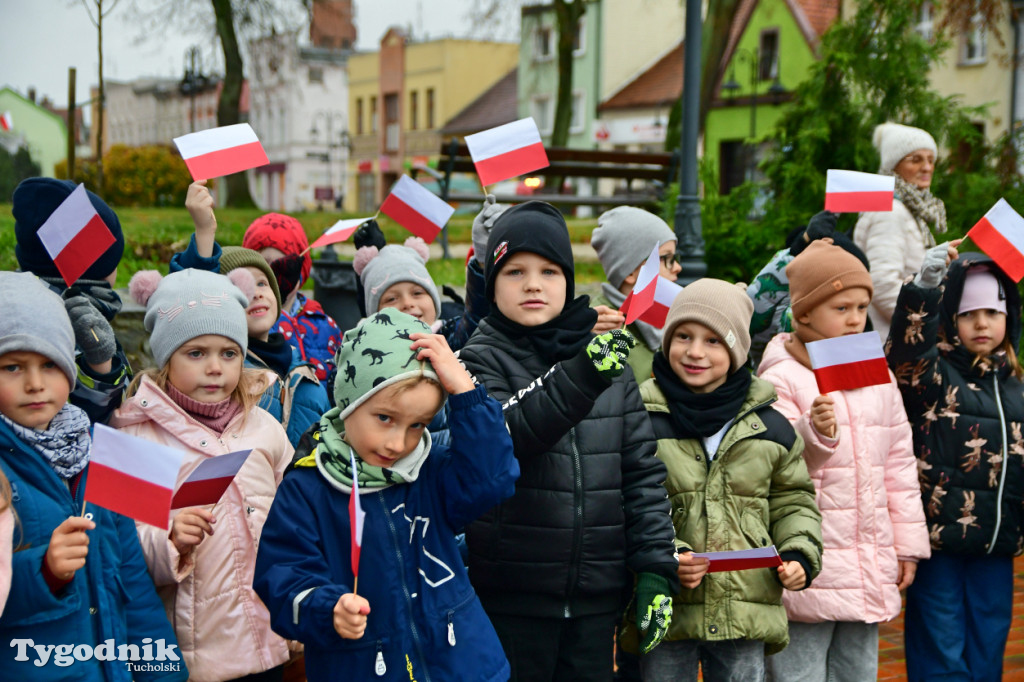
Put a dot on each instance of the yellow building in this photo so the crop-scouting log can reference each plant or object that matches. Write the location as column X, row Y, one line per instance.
column 402, row 95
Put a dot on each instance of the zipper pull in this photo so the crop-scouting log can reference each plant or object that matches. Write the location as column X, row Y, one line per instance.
column 451, row 630
column 379, row 666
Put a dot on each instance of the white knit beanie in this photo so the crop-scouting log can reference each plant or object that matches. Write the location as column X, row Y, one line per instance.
column 623, row 240
column 894, row 141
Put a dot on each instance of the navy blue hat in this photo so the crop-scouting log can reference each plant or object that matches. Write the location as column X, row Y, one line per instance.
column 537, row 227
column 33, row 202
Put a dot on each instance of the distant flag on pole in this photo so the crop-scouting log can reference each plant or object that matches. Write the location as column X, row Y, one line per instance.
column 645, row 288
column 417, row 209
column 221, row 151
column 75, row 235
column 853, row 191
column 1000, row 234
column 507, row 151
column 208, row 481
column 356, row 515
column 338, row 232
column 847, row 362
column 132, row 476
column 664, row 293
column 6, row 122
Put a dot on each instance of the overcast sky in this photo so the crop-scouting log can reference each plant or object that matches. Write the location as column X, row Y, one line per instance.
column 42, row 38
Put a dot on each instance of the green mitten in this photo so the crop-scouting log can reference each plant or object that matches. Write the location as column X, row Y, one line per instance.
column 609, row 352
column 653, row 609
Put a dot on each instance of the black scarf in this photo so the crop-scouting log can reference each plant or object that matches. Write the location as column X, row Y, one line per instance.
column 555, row 340
column 275, row 352
column 98, row 291
column 700, row 414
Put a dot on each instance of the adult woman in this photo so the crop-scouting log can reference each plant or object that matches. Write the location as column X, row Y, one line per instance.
column 895, row 241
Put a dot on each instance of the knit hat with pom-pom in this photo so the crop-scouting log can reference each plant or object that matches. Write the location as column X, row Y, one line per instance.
column 191, row 303
column 894, row 141
column 380, row 269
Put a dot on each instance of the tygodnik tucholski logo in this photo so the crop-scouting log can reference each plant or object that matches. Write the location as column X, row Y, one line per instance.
column 151, row 656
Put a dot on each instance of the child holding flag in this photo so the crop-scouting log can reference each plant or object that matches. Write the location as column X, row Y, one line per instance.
column 78, row 579
column 857, row 445
column 953, row 348
column 413, row 615
column 202, row 401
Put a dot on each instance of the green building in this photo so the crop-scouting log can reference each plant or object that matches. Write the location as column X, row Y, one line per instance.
column 42, row 131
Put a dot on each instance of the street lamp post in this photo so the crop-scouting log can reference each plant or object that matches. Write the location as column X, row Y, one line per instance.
column 193, row 82
column 332, row 141
column 687, row 218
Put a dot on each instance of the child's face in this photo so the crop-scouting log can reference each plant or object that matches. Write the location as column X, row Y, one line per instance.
column 669, row 267
column 410, row 298
column 32, row 388
column 698, row 357
column 389, row 426
column 262, row 312
column 206, row 368
column 843, row 313
column 981, row 331
column 530, row 289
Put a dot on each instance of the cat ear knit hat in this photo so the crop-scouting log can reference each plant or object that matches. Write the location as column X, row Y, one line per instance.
column 33, row 319
column 379, row 269
column 722, row 307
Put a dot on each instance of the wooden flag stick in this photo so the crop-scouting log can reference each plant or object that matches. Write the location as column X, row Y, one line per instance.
column 355, row 586
column 94, row 334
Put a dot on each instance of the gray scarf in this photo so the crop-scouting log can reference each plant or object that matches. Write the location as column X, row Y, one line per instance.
column 64, row 444
column 650, row 334
column 923, row 205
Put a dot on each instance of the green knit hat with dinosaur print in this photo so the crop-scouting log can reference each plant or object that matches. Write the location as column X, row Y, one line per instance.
column 374, row 355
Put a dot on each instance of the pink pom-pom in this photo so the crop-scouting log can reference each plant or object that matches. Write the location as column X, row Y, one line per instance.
column 244, row 280
column 142, row 285
column 419, row 246
column 364, row 254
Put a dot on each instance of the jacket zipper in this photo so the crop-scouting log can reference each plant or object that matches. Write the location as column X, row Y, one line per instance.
column 577, row 495
column 1002, row 473
column 405, row 588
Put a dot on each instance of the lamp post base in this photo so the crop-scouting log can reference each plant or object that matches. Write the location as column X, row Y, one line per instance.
column 687, row 226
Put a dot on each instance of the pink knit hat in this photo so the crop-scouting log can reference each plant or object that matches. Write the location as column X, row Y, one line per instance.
column 982, row 291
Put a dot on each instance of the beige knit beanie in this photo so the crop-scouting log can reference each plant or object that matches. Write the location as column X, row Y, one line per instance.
column 894, row 141
column 821, row 271
column 722, row 307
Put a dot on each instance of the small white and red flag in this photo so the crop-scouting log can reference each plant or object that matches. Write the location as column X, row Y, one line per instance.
column 417, row 209
column 338, row 232
column 743, row 559
column 507, row 151
column 6, row 121
column 645, row 288
column 1000, row 234
column 853, row 191
column 664, row 293
column 221, row 151
column 75, row 235
column 208, row 481
column 846, row 362
column 356, row 515
column 132, row 476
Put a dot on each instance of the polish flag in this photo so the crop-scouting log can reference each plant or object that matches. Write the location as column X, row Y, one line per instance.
column 356, row 515
column 645, row 288
column 507, row 151
column 132, row 476
column 847, row 362
column 1000, row 234
column 6, row 122
column 852, row 191
column 208, row 481
column 664, row 294
column 221, row 151
column 741, row 560
column 417, row 209
column 75, row 236
column 339, row 232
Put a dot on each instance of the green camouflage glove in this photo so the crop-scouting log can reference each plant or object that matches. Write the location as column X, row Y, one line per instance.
column 653, row 609
column 609, row 352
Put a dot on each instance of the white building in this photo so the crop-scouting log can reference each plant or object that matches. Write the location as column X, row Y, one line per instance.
column 155, row 111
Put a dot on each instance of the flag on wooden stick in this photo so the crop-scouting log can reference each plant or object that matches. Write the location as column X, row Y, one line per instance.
column 847, row 362
column 221, row 151
column 853, row 191
column 75, row 235
column 1000, row 234
column 507, row 151
column 417, row 209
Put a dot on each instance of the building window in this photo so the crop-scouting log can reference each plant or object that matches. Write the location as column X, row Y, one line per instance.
column 543, row 48
column 926, row 21
column 316, row 74
column 540, row 109
column 974, row 45
column 768, row 55
column 578, row 102
column 373, row 114
column 359, row 115
column 430, row 108
column 414, row 109
column 392, row 126
column 579, row 38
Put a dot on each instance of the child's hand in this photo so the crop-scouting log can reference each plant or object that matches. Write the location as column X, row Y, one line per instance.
column 350, row 616
column 188, row 528
column 691, row 570
column 69, row 546
column 607, row 319
column 435, row 349
column 199, row 203
column 792, row 575
column 823, row 416
column 908, row 569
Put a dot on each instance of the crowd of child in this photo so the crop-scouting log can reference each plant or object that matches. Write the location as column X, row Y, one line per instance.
column 525, row 487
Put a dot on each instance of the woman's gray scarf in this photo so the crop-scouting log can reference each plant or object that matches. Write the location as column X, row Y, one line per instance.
column 922, row 204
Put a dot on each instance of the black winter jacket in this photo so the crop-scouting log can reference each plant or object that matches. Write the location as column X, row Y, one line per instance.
column 589, row 501
column 967, row 418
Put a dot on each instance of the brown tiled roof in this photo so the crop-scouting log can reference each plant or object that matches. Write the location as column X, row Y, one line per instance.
column 496, row 106
column 820, row 13
column 659, row 85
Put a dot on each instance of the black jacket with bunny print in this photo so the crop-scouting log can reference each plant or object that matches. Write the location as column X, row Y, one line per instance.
column 967, row 414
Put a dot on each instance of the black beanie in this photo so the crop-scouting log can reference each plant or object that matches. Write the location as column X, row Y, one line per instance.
column 34, row 200
column 537, row 227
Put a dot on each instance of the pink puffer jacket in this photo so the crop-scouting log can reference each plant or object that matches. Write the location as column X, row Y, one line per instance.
column 867, row 490
column 223, row 628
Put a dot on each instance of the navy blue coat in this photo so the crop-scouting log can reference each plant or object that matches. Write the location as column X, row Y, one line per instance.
column 425, row 620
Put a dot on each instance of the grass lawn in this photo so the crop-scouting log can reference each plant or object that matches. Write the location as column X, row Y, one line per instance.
column 153, row 235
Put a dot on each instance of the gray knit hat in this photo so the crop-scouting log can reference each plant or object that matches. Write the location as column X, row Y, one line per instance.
column 33, row 318
column 234, row 257
column 191, row 303
column 374, row 355
column 624, row 238
column 380, row 269
column 722, row 307
column 894, row 141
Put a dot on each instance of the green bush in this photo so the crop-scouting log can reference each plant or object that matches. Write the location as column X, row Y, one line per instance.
column 152, row 175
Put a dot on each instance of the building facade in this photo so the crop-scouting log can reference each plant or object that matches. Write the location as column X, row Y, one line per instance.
column 35, row 127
